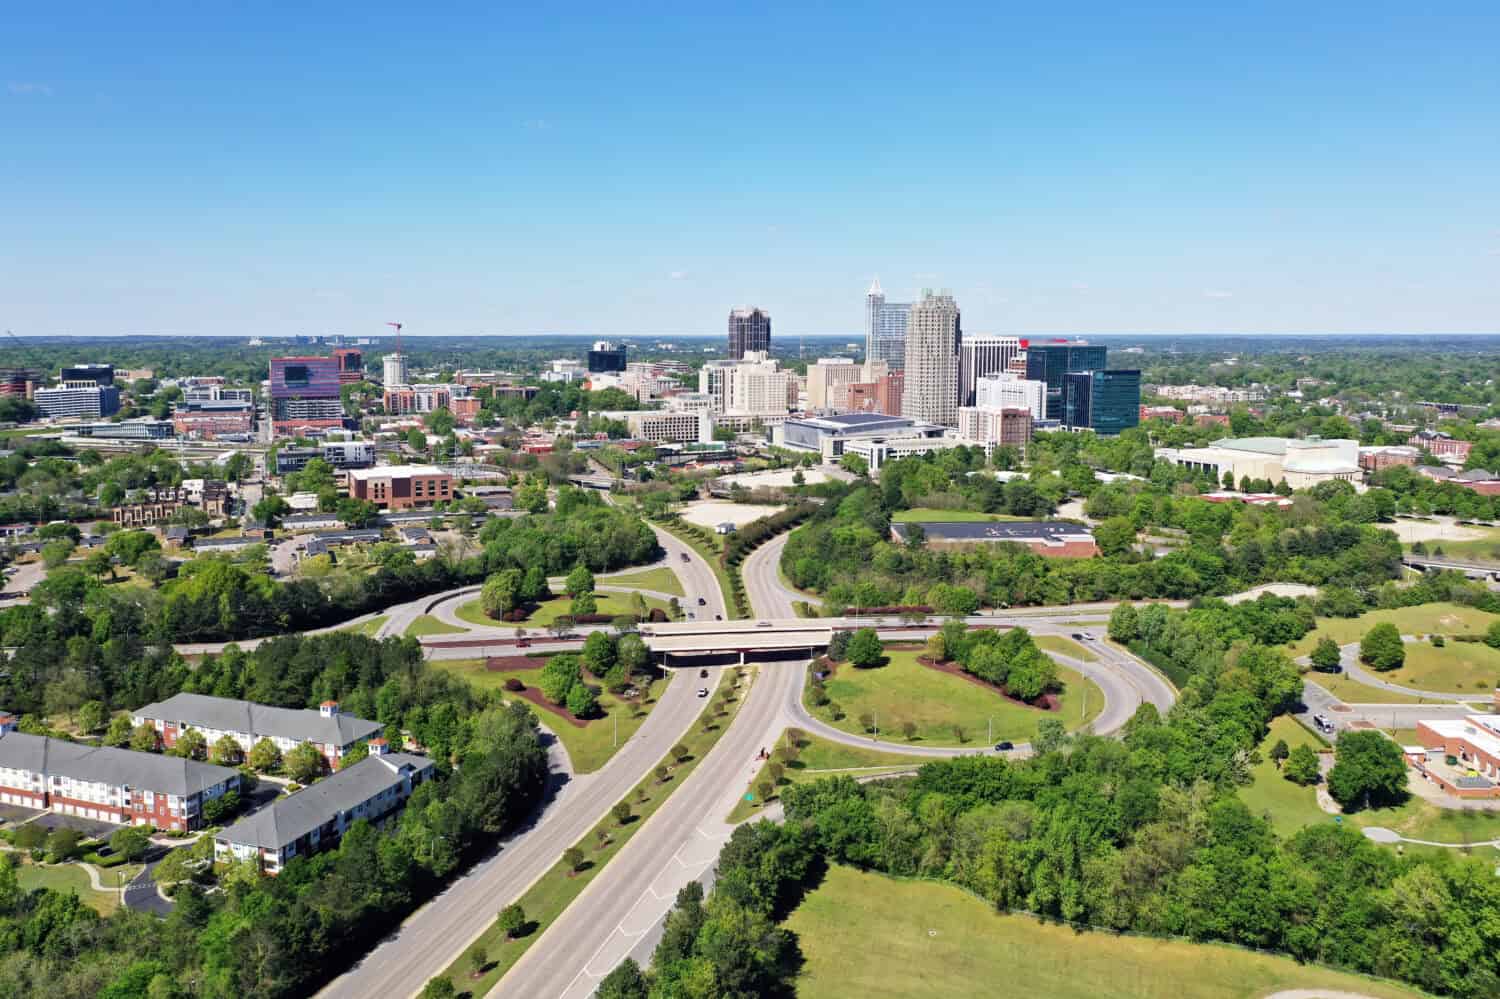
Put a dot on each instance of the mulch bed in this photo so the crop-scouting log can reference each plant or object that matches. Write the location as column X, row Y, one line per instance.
column 535, row 697
column 498, row 664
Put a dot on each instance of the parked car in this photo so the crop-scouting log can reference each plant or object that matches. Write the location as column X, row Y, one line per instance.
column 763, row 624
column 1079, row 636
column 522, row 643
column 718, row 617
column 702, row 691
column 1004, row 747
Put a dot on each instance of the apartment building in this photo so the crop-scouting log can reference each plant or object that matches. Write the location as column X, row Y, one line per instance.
column 315, row 817
column 400, row 487
column 995, row 426
column 329, row 730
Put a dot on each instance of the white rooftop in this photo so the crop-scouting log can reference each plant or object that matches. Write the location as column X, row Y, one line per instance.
column 1480, row 731
column 393, row 471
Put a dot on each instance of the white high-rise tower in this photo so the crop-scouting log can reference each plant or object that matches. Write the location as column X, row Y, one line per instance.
column 933, row 336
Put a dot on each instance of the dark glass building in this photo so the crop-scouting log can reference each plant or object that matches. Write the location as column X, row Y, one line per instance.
column 1105, row 402
column 749, row 329
column 95, row 374
column 1051, row 362
column 605, row 356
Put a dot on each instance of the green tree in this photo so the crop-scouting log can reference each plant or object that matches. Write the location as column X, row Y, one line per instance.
column 190, row 745
column 119, row 731
column 1368, row 770
column 1492, row 636
column 865, row 649
column 1280, row 752
column 1301, row 765
column 55, row 553
column 625, row 982
column 573, row 857
column 582, row 702
column 177, row 866
column 143, row 738
column 130, row 842
column 621, row 812
column 92, row 716
column 304, row 764
column 270, row 510
column 1382, row 648
column 62, row 844
column 357, row 513
column 580, row 580
column 439, row 987
column 584, row 603
column 264, row 756
column 501, row 593
column 1114, row 536
column 1325, row 655
column 598, row 653
column 225, row 751
column 512, row 921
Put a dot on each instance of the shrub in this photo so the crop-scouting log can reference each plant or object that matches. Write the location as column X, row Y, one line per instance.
column 621, row 812
column 514, row 685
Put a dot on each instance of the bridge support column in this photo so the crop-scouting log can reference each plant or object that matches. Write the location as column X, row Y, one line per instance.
column 742, row 657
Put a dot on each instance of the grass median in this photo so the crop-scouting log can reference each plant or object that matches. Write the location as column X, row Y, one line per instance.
column 813, row 759
column 555, row 890
column 660, row 579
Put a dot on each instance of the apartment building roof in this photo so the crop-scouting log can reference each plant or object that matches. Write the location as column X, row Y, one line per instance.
column 107, row 765
column 226, row 714
column 290, row 818
column 1023, row 531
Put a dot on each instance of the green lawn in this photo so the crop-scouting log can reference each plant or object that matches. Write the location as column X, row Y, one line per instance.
column 931, row 515
column 1485, row 549
column 1450, row 619
column 1458, row 667
column 613, row 604
column 879, row 938
column 661, row 579
column 589, row 747
column 429, row 625
column 367, row 627
column 556, row 890
column 71, row 877
column 1288, row 806
column 1354, row 692
column 904, row 690
column 825, row 758
column 1066, row 646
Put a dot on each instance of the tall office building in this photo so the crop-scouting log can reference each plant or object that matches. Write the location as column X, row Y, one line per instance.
column 983, row 355
column 606, row 356
column 1105, row 402
column 749, row 330
column 351, row 365
column 305, row 393
column 933, row 335
column 393, row 370
column 825, row 377
column 1051, row 362
column 1009, row 391
column 885, row 328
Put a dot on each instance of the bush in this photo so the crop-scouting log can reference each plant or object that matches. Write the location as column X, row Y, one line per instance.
column 621, row 811
column 1301, row 766
column 514, row 685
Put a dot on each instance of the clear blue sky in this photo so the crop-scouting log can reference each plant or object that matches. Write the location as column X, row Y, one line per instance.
column 283, row 168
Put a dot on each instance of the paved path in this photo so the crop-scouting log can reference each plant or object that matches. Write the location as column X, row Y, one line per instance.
column 1349, row 661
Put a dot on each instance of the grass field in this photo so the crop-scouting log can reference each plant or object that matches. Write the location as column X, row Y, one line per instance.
column 661, row 579
column 1270, row 795
column 825, row 758
column 904, row 690
column 1450, row 619
column 1485, row 549
column 429, row 625
column 935, row 516
column 878, row 938
column 70, row 877
column 1458, row 667
column 555, row 891
column 1354, row 692
column 367, row 627
column 1068, row 647
column 613, row 604
column 589, row 747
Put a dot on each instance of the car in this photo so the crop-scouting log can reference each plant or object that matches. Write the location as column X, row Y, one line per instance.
column 522, row 643
column 702, row 691
column 703, row 673
column 718, row 617
column 690, row 615
column 763, row 624
column 1078, row 636
column 702, row 602
column 1004, row 747
column 685, row 557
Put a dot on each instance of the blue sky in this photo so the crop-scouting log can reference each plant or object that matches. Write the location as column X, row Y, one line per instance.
column 218, row 168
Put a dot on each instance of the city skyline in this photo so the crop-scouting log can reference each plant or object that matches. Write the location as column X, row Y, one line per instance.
column 265, row 171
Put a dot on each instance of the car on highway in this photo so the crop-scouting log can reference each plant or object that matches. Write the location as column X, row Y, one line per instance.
column 703, row 673
column 1004, row 747
column 522, row 643
column 702, row 602
column 702, row 691
column 685, row 557
column 718, row 617
column 1079, row 636
column 763, row 624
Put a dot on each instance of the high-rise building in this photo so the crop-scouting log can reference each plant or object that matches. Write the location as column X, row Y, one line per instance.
column 87, row 375
column 1050, row 362
column 993, row 425
column 885, row 328
column 84, row 399
column 758, row 386
column 1009, row 391
column 749, row 330
column 305, row 393
column 605, row 356
column 826, row 376
column 351, row 365
column 1105, row 402
column 982, row 355
column 393, row 370
column 933, row 335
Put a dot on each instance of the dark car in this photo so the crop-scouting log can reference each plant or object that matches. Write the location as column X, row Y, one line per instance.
column 702, row 602
column 1079, row 636
column 685, row 557
column 1004, row 747
column 718, row 617
column 703, row 672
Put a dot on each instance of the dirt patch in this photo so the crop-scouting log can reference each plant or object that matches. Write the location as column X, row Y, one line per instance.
column 1046, row 702
column 499, row 664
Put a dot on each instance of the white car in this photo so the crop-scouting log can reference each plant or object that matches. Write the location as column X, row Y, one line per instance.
column 702, row 691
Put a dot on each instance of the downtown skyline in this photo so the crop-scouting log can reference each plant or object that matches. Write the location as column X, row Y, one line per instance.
column 283, row 171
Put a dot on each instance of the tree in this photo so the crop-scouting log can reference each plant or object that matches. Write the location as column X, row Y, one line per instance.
column 98, row 564
column 621, row 812
column 1115, row 535
column 440, row 987
column 1301, row 765
column 55, row 553
column 865, row 649
column 501, row 593
column 92, row 716
column 854, row 464
column 584, row 603
column 264, row 756
column 143, row 738
column 625, row 982
column 1280, row 752
column 130, row 842
column 62, row 844
column 1492, row 636
column 580, row 580
column 838, row 645
column 175, row 867
column 582, row 702
column 119, row 731
column 304, row 764
column 680, row 753
column 598, row 653
column 357, row 513
column 270, row 510
column 573, row 857
column 1382, row 648
column 29, row 837
column 479, row 959
column 1051, row 735
column 1325, row 655
column 225, row 751
column 1368, row 770
column 416, row 439
column 190, row 745
column 513, row 918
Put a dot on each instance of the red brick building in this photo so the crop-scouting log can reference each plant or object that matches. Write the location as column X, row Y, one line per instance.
column 401, row 487
column 1473, row 743
column 1169, row 413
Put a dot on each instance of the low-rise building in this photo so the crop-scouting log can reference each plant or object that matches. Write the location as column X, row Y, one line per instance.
column 87, row 401
column 994, row 427
column 157, row 505
column 1300, row 463
column 315, row 817
column 108, row 784
column 1442, row 446
column 400, row 487
column 877, row 451
column 1375, row 459
column 1473, row 746
column 669, row 427
column 1477, row 480
column 1053, row 539
column 331, row 732
column 830, row 436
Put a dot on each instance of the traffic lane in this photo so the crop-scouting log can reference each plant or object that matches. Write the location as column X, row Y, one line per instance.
column 679, row 842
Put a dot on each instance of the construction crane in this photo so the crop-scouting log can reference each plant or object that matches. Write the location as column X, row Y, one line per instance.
column 398, row 335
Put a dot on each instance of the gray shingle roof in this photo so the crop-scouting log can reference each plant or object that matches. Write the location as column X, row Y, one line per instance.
column 229, row 715
column 289, row 819
column 148, row 771
column 1000, row 530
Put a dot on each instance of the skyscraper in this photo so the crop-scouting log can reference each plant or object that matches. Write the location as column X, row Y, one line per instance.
column 1050, row 362
column 885, row 328
column 749, row 329
column 982, row 355
column 393, row 368
column 932, row 343
column 1105, row 402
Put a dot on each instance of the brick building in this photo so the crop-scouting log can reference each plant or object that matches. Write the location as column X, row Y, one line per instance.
column 158, row 505
column 330, row 731
column 400, row 487
column 107, row 784
column 1472, row 743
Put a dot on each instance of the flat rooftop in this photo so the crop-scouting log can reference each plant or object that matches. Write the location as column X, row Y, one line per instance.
column 1021, row 531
